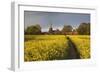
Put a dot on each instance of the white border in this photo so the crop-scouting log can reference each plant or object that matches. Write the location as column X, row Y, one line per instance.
column 18, row 36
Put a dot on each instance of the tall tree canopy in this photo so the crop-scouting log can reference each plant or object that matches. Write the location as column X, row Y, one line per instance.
column 33, row 29
column 67, row 28
column 84, row 29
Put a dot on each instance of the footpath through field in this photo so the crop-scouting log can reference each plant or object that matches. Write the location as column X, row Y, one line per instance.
column 72, row 51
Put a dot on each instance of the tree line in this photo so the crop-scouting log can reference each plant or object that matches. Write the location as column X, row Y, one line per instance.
column 82, row 29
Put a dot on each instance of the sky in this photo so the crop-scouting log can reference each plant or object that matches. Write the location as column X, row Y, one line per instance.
column 58, row 20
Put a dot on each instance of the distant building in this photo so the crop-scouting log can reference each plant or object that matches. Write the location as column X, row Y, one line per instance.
column 58, row 32
column 74, row 32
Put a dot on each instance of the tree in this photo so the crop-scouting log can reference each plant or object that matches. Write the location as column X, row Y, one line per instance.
column 84, row 29
column 33, row 29
column 67, row 29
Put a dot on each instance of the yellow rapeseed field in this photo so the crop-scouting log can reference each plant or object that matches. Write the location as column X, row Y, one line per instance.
column 54, row 47
column 45, row 47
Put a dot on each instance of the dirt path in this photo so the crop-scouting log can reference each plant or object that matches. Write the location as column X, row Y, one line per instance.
column 72, row 52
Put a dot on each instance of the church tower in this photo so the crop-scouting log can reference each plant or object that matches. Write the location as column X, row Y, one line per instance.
column 51, row 29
